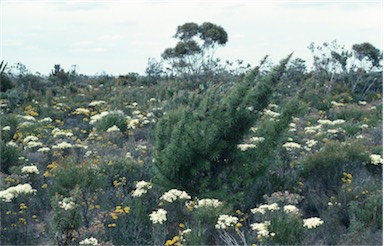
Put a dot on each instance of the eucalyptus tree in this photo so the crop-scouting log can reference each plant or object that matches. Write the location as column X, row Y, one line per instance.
column 195, row 49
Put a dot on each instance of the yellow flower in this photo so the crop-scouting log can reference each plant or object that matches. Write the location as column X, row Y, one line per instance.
column 238, row 225
column 97, row 206
column 181, row 225
column 168, row 242
column 22, row 206
column 44, row 186
column 113, row 215
column 34, row 216
column 127, row 209
column 239, row 212
column 112, row 225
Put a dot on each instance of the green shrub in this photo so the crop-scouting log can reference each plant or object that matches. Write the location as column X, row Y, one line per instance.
column 196, row 148
column 9, row 157
column 116, row 118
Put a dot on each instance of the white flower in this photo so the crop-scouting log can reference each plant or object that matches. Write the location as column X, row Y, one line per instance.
column 312, row 222
column 363, row 126
column 312, row 129
column 46, row 120
column 114, row 128
column 263, row 208
column 291, row 146
column 96, row 103
column 376, row 159
column 89, row 241
column 208, row 203
column 67, row 203
column 133, row 123
column 261, row 228
column 128, row 155
column 27, row 117
column 12, row 144
column 311, row 143
column 12, row 192
column 30, row 138
column 141, row 188
column 82, row 111
column 43, row 150
column 244, row 147
column 225, row 221
column 33, row 144
column 291, row 209
column 141, row 148
column 158, row 216
column 257, row 139
column 30, row 169
column 98, row 117
column 62, row 145
column 59, row 133
column 174, row 194
column 336, row 104
column 271, row 113
column 362, row 102
column 6, row 128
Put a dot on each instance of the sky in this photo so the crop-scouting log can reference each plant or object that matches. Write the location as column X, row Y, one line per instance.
column 118, row 37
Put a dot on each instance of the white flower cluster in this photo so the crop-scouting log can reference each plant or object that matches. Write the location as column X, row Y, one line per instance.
column 331, row 123
column 89, row 241
column 14, row 191
column 291, row 209
column 62, row 145
column 30, row 138
column 82, row 111
column 225, row 221
column 67, row 203
column 262, row 228
column 244, row 147
column 257, row 139
column 312, row 222
column 30, row 169
column 203, row 203
column 60, row 133
column 312, row 129
column 46, row 120
column 158, row 217
column 31, row 142
column 141, row 188
column 27, row 117
column 12, row 144
column 43, row 150
column 96, row 103
column 174, row 194
column 98, row 117
column 309, row 144
column 141, row 148
column 113, row 128
column 263, row 208
column 290, row 146
column 337, row 104
column 376, row 159
column 271, row 113
column 6, row 128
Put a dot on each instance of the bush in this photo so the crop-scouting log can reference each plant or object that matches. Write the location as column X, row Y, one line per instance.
column 9, row 157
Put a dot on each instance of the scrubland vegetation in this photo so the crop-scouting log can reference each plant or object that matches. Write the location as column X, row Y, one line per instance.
column 196, row 151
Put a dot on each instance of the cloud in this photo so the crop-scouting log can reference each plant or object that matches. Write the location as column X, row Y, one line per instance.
column 110, row 37
column 89, row 50
column 78, row 5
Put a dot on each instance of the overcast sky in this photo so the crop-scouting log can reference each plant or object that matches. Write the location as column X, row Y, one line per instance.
column 118, row 37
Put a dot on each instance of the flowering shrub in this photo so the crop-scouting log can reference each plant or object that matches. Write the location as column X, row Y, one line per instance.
column 159, row 216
